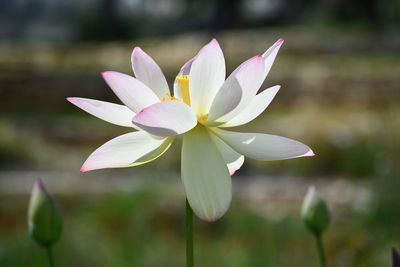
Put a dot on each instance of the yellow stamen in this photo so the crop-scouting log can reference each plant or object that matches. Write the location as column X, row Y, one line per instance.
column 203, row 118
column 183, row 84
column 170, row 97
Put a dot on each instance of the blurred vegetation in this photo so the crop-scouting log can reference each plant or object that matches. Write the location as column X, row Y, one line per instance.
column 145, row 227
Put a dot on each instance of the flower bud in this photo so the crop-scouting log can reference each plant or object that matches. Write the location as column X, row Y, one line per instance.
column 44, row 218
column 315, row 213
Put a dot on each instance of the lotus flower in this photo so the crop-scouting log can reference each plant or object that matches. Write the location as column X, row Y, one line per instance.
column 203, row 104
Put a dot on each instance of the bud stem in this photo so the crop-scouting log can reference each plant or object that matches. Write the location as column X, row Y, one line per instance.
column 189, row 235
column 320, row 248
column 50, row 258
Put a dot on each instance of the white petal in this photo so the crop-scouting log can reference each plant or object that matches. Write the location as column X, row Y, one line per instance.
column 270, row 55
column 227, row 99
column 252, row 80
column 206, row 77
column 132, row 92
column 264, row 146
column 205, row 176
column 153, row 155
column 257, row 105
column 238, row 90
column 147, row 71
column 235, row 165
column 166, row 118
column 232, row 159
column 110, row 112
column 123, row 150
column 185, row 70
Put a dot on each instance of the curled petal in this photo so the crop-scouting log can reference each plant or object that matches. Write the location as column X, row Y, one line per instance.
column 206, row 179
column 147, row 71
column 166, row 118
column 132, row 92
column 264, row 146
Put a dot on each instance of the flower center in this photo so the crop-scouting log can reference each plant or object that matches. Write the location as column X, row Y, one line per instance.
column 203, row 118
column 183, row 84
column 170, row 97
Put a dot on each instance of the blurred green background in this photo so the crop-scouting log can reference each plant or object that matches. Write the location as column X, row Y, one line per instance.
column 339, row 70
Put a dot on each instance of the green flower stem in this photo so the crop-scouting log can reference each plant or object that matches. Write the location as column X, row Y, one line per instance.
column 50, row 257
column 320, row 248
column 189, row 235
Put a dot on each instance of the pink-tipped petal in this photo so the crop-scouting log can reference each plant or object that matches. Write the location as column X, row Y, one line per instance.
column 309, row 154
column 205, row 176
column 167, row 118
column 122, row 151
column 132, row 92
column 147, row 71
column 207, row 74
column 252, row 80
column 235, row 165
column 263, row 146
column 270, row 55
column 238, row 90
column 110, row 112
